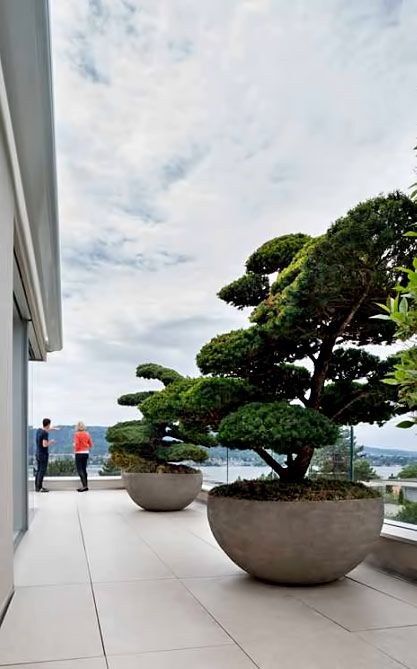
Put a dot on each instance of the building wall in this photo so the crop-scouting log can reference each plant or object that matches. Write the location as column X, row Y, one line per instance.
column 20, row 401
column 6, row 363
column 26, row 64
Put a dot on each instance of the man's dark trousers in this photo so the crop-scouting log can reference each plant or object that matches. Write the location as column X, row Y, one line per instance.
column 42, row 458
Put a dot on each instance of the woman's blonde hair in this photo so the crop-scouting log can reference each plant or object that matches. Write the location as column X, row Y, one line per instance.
column 80, row 427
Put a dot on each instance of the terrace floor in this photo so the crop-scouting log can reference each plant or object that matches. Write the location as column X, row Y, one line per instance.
column 102, row 584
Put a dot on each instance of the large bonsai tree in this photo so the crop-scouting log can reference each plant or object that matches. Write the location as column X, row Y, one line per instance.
column 284, row 384
column 145, row 445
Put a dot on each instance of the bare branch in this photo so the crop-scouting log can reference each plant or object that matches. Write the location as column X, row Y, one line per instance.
column 271, row 462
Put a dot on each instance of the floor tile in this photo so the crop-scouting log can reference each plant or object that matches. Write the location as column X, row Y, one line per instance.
column 102, row 502
column 325, row 651
column 357, row 607
column 190, row 556
column 153, row 615
column 225, row 657
column 390, row 585
column 84, row 663
column 400, row 643
column 51, row 552
column 250, row 610
column 116, row 553
column 50, row 623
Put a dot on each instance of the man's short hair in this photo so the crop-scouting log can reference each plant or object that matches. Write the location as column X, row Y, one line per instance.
column 46, row 422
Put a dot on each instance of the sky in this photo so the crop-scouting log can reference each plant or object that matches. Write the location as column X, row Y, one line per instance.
column 189, row 133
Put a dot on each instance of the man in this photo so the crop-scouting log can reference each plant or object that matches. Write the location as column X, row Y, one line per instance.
column 42, row 453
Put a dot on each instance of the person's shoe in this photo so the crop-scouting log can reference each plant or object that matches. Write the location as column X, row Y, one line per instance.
column 82, row 489
column 43, row 490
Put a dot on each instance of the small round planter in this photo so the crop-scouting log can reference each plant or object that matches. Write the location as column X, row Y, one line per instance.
column 298, row 543
column 163, row 492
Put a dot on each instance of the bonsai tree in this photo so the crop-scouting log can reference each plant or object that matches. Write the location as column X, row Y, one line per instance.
column 149, row 446
column 283, row 385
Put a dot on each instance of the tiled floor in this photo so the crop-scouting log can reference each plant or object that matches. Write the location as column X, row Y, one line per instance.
column 104, row 585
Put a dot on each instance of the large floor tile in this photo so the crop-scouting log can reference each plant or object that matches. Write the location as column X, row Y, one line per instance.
column 357, row 607
column 50, row 623
column 102, row 502
column 255, row 611
column 116, row 553
column 328, row 647
column 225, row 657
column 390, row 585
column 83, row 663
column 190, row 556
column 153, row 615
column 56, row 503
column 400, row 643
column 51, row 552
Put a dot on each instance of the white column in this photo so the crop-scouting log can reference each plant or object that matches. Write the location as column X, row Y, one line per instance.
column 6, row 360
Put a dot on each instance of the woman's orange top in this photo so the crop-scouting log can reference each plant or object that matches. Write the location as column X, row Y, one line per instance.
column 82, row 442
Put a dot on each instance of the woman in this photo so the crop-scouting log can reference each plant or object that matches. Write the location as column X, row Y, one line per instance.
column 82, row 445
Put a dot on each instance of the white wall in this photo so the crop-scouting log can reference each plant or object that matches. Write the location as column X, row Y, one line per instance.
column 6, row 360
column 20, row 431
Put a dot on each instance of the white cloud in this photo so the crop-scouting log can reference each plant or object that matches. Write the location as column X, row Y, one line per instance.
column 188, row 134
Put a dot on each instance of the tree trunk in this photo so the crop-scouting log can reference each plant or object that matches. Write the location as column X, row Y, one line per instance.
column 301, row 464
column 295, row 470
column 271, row 462
column 320, row 373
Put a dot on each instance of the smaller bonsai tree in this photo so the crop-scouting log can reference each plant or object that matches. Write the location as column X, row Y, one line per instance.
column 147, row 445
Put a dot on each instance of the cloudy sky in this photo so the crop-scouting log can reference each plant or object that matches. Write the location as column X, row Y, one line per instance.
column 188, row 133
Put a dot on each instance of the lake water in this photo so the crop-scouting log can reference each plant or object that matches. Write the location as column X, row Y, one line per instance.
column 222, row 475
column 214, row 475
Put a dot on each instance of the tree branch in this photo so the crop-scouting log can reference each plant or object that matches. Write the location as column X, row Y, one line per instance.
column 271, row 462
column 302, row 399
column 323, row 360
column 361, row 393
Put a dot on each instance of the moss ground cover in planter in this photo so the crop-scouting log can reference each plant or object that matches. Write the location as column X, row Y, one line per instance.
column 305, row 491
column 149, row 452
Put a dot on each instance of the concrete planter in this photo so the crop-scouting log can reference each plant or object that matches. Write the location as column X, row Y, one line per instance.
column 298, row 543
column 163, row 492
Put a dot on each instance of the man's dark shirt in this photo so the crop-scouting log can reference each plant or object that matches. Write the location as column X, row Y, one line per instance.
column 41, row 435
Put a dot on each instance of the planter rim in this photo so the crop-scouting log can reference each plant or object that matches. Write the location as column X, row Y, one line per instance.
column 197, row 471
column 292, row 502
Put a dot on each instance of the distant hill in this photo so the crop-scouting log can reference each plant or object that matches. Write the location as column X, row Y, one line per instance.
column 384, row 452
column 64, row 439
column 65, row 436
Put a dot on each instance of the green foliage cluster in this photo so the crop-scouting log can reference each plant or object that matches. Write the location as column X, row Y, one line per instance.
column 315, row 299
column 280, row 491
column 408, row 472
column 408, row 513
column 109, row 469
column 152, row 445
column 282, row 427
column 62, row 467
column 402, row 311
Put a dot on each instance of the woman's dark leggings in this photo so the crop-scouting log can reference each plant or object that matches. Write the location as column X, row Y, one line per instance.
column 81, row 460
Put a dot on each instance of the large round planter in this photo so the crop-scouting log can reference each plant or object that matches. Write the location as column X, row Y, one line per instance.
column 297, row 543
column 163, row 492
